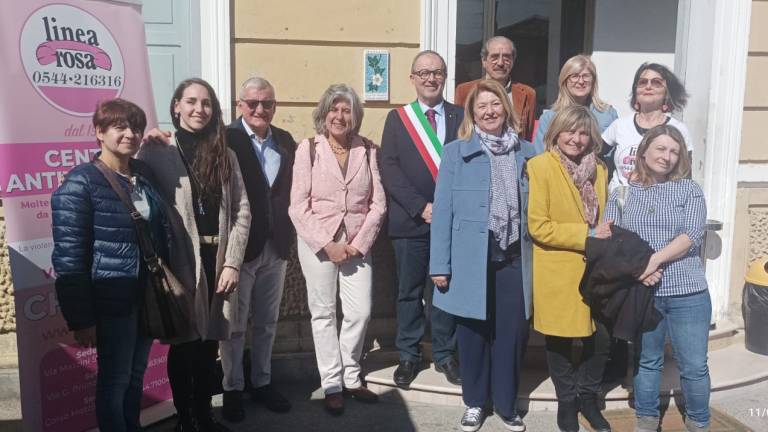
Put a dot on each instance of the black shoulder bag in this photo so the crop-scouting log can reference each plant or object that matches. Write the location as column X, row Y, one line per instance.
column 166, row 307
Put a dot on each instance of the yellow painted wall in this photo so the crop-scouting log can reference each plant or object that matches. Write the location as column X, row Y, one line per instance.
column 754, row 146
column 301, row 55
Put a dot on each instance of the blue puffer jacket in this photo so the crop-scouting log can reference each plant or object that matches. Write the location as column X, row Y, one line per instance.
column 96, row 253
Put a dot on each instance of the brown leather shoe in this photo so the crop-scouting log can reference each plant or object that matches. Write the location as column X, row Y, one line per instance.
column 334, row 403
column 362, row 394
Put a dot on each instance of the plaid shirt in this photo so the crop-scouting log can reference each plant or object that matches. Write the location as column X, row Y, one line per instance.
column 658, row 214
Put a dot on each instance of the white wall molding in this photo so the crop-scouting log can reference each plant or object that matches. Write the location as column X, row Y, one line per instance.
column 728, row 45
column 215, row 45
column 438, row 33
column 752, row 172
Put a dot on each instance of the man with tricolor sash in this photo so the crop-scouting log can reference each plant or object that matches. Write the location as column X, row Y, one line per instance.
column 411, row 145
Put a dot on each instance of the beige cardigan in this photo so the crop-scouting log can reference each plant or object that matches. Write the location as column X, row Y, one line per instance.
column 212, row 321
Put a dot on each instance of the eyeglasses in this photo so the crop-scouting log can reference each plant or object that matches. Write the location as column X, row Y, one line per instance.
column 585, row 77
column 268, row 104
column 656, row 83
column 424, row 74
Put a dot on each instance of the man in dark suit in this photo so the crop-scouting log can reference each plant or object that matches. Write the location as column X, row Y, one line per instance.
column 265, row 154
column 410, row 157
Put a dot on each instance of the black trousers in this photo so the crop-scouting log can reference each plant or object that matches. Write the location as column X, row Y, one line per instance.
column 192, row 365
column 412, row 259
column 583, row 376
column 491, row 351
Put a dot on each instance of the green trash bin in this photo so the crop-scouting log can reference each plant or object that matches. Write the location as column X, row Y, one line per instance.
column 754, row 307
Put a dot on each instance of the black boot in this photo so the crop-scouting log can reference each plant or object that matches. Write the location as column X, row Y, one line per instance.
column 207, row 422
column 591, row 412
column 567, row 415
column 187, row 421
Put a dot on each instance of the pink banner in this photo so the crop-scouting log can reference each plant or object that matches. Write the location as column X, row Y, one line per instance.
column 60, row 58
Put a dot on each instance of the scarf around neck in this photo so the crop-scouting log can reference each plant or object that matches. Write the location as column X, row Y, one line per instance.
column 504, row 214
column 583, row 176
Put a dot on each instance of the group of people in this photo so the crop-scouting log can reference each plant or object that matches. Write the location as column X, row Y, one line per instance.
column 495, row 219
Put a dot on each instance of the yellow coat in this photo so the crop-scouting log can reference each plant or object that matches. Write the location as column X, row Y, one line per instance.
column 556, row 224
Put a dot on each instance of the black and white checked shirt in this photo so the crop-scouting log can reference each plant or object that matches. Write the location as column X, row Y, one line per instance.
column 659, row 213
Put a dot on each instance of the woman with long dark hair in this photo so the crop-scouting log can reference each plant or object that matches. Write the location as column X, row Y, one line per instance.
column 201, row 177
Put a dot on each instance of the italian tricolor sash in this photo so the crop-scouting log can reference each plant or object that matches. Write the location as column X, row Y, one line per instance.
column 423, row 136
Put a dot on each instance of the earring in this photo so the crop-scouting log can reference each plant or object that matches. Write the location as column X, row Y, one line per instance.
column 665, row 108
column 637, row 106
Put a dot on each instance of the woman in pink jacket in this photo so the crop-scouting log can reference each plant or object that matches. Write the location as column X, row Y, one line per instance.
column 337, row 206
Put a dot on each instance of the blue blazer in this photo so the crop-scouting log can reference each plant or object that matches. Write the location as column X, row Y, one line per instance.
column 459, row 234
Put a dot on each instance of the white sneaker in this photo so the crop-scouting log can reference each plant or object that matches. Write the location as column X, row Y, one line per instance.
column 514, row 424
column 472, row 419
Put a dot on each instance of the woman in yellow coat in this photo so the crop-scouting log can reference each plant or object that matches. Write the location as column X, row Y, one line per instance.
column 568, row 188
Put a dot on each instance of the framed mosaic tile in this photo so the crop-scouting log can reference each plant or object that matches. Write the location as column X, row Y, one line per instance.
column 376, row 75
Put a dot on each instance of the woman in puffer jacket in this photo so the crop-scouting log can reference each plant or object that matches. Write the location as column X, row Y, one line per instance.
column 100, row 270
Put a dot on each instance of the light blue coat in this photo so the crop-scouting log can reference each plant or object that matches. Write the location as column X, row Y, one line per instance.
column 459, row 233
column 604, row 119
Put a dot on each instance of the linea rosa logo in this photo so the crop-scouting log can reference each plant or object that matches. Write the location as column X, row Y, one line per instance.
column 71, row 59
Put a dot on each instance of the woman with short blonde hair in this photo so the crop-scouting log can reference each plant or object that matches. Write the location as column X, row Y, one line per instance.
column 567, row 197
column 480, row 254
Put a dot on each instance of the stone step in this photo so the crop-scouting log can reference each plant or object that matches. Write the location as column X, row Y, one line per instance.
column 730, row 367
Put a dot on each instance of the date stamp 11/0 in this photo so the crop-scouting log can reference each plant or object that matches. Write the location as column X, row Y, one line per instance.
column 758, row 412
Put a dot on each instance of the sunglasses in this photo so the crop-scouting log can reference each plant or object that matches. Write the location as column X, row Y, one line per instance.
column 656, row 83
column 267, row 104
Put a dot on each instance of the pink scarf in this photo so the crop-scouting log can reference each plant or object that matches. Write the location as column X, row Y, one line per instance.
column 583, row 175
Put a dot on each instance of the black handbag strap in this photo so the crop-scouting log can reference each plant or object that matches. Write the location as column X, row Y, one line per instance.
column 145, row 241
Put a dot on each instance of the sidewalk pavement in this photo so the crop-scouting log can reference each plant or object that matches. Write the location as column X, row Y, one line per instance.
column 747, row 404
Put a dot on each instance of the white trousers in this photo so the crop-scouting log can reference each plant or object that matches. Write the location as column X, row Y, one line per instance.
column 261, row 290
column 338, row 352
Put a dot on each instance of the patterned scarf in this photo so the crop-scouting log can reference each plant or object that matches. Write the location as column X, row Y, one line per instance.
column 504, row 215
column 583, row 175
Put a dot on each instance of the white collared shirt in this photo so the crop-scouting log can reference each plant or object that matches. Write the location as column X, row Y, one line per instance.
column 266, row 152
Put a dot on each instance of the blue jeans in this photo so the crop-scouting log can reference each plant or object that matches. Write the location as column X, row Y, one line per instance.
column 122, row 360
column 686, row 320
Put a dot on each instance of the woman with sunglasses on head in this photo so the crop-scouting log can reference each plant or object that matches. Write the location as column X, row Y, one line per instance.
column 577, row 85
column 668, row 210
column 656, row 94
column 201, row 177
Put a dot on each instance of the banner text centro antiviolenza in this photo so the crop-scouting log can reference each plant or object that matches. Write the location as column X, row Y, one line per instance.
column 36, row 168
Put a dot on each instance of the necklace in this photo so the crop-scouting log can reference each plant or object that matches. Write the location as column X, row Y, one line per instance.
column 338, row 149
column 198, row 184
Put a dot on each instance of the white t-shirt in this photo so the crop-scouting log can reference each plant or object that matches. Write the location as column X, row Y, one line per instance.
column 624, row 136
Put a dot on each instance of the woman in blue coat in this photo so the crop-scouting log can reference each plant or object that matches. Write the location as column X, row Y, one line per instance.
column 101, row 273
column 479, row 228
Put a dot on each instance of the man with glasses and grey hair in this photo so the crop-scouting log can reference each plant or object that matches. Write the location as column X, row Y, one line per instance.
column 498, row 57
column 266, row 162
column 412, row 142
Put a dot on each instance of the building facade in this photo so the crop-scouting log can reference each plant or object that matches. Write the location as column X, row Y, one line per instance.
column 717, row 47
